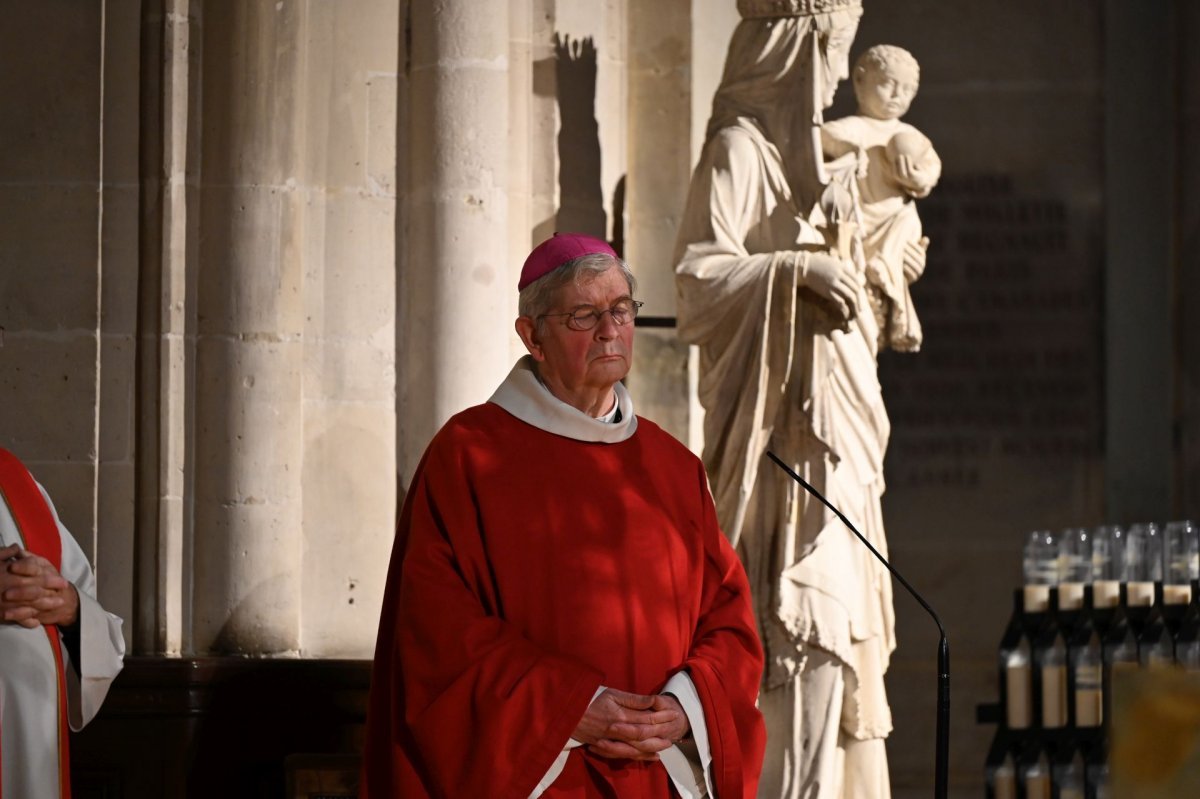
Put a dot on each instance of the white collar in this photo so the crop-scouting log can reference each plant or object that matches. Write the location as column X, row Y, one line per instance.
column 524, row 396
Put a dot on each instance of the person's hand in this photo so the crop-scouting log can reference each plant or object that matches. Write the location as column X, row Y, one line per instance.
column 670, row 727
column 917, row 178
column 914, row 259
column 633, row 726
column 32, row 592
column 833, row 280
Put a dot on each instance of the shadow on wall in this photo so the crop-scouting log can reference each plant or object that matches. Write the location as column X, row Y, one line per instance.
column 581, row 196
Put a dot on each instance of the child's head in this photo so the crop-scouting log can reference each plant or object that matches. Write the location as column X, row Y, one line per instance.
column 885, row 81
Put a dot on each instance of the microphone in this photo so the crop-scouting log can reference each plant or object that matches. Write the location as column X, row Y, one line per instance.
column 942, row 750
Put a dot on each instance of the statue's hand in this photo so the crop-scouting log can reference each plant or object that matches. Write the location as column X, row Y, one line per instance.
column 832, row 279
column 914, row 259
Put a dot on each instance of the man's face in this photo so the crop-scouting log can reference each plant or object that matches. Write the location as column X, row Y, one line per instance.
column 885, row 93
column 581, row 360
column 835, row 57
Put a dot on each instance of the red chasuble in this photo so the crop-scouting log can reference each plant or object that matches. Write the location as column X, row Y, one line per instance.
column 529, row 569
column 37, row 527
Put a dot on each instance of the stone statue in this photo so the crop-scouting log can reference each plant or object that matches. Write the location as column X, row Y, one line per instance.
column 885, row 164
column 772, row 286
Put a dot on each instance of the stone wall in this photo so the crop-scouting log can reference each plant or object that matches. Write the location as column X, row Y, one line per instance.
column 198, row 281
column 68, row 267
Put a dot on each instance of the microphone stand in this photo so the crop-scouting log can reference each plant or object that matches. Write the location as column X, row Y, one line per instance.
column 942, row 752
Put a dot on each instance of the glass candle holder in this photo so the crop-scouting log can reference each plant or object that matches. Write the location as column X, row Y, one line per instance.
column 1074, row 566
column 1108, row 565
column 1143, row 557
column 1040, row 569
column 1181, row 561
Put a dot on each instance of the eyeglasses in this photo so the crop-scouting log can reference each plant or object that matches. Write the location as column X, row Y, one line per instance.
column 586, row 317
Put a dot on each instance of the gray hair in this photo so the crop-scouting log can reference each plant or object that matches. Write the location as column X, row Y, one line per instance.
column 538, row 297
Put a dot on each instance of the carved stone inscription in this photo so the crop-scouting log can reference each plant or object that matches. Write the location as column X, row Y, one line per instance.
column 1011, row 366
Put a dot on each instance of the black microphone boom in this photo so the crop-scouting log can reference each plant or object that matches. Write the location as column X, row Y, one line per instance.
column 942, row 752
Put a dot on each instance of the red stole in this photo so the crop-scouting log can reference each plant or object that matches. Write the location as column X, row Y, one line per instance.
column 40, row 534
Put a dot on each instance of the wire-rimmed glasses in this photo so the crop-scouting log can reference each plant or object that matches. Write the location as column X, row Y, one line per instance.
column 586, row 317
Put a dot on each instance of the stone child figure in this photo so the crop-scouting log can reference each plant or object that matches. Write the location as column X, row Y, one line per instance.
column 787, row 347
column 886, row 164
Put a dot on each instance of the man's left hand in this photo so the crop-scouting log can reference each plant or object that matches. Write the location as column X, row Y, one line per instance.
column 33, row 593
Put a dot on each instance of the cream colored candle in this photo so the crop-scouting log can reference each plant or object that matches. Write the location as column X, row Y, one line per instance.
column 1054, row 696
column 1036, row 598
column 1106, row 593
column 1037, row 785
column 1139, row 594
column 1177, row 594
column 1017, row 684
column 1070, row 596
column 1005, row 783
column 1089, row 707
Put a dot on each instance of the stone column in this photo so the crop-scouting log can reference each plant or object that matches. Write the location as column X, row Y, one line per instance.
column 660, row 164
column 166, row 287
column 455, row 296
column 249, row 351
column 348, row 180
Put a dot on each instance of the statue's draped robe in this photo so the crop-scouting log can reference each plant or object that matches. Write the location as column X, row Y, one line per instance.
column 776, row 372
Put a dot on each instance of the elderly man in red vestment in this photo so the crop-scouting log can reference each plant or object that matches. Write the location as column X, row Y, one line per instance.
column 563, row 617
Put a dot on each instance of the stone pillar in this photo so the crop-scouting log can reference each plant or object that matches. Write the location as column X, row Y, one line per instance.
column 267, row 379
column 348, row 182
column 660, row 164
column 712, row 28
column 249, row 351
column 543, row 123
column 527, row 116
column 456, row 300
column 166, row 287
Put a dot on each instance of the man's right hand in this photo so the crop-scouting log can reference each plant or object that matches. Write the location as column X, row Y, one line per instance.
column 834, row 280
column 607, row 725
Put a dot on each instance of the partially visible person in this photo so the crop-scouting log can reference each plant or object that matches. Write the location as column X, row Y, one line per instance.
column 59, row 649
column 888, row 163
column 563, row 617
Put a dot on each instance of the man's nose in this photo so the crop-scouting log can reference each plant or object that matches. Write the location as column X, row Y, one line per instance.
column 606, row 326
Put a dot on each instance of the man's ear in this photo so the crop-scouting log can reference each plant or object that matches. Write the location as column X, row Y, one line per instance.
column 527, row 330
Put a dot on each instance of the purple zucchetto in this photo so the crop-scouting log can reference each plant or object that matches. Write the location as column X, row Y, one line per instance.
column 558, row 250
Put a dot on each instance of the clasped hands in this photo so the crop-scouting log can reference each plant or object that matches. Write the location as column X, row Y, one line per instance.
column 32, row 592
column 632, row 726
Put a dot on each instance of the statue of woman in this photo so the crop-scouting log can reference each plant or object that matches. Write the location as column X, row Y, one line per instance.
column 769, row 292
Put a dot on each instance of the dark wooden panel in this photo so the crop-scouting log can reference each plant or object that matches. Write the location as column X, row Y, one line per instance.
column 221, row 727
